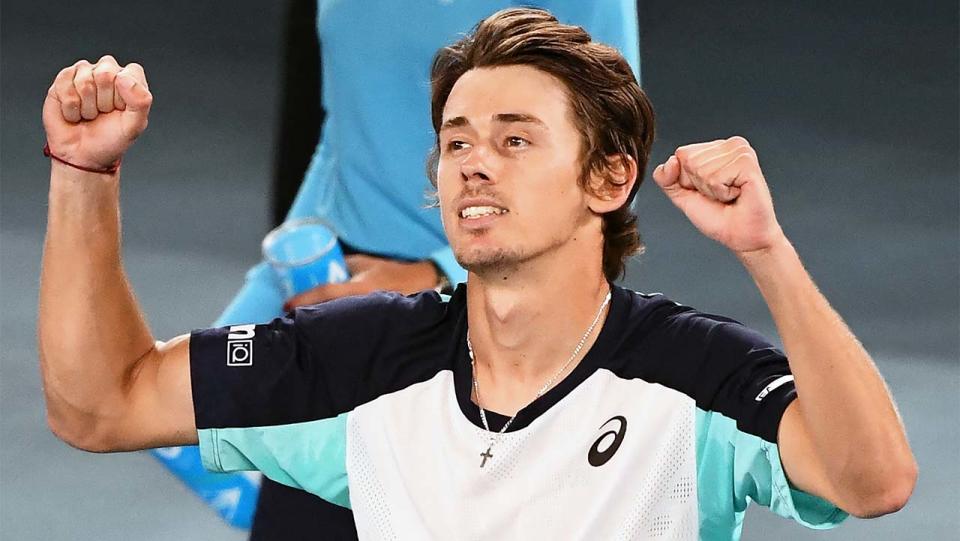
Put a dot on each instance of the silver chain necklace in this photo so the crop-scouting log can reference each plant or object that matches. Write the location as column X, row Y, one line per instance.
column 494, row 436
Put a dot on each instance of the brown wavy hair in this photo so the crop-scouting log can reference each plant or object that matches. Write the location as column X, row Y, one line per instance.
column 611, row 111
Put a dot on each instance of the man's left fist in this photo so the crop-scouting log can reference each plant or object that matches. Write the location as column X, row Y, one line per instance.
column 720, row 187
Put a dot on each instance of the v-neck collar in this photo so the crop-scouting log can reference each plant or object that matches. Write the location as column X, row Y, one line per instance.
column 600, row 350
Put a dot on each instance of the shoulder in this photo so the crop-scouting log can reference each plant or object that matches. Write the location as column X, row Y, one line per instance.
column 641, row 314
column 380, row 309
column 382, row 331
column 389, row 302
column 661, row 339
column 653, row 316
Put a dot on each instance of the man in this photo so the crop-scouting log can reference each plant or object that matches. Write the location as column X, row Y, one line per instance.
column 366, row 180
column 539, row 401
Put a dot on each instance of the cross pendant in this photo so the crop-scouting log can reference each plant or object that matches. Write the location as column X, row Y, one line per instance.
column 486, row 454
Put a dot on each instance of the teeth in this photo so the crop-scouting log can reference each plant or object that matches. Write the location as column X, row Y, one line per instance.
column 477, row 212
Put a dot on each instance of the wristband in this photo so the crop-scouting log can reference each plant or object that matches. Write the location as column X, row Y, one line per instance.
column 107, row 171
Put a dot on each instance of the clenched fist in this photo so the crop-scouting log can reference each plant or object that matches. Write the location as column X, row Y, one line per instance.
column 94, row 112
column 720, row 187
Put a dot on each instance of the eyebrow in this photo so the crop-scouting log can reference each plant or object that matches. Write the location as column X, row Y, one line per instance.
column 505, row 118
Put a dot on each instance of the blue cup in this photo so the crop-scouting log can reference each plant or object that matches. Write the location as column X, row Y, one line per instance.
column 304, row 254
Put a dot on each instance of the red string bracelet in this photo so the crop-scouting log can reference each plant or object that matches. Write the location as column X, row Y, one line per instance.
column 107, row 171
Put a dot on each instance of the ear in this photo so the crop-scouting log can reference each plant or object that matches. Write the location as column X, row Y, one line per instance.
column 609, row 191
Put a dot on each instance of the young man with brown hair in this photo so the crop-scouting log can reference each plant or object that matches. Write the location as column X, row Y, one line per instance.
column 539, row 401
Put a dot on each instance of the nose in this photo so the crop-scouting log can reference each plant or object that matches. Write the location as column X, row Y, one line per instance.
column 473, row 172
column 475, row 166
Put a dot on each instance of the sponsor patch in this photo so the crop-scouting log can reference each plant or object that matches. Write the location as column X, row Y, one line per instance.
column 240, row 345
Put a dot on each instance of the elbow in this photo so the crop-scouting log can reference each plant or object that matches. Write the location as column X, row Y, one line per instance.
column 888, row 495
column 80, row 434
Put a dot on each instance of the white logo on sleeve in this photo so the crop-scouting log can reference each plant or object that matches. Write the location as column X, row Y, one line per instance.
column 240, row 345
column 773, row 385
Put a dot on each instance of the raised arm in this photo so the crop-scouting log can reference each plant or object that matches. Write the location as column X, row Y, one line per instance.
column 108, row 385
column 842, row 438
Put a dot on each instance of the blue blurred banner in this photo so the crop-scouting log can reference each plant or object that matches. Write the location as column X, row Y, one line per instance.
column 232, row 495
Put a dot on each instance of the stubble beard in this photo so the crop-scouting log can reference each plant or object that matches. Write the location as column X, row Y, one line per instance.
column 490, row 261
column 500, row 261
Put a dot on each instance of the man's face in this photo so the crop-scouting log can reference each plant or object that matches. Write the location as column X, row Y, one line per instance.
column 508, row 169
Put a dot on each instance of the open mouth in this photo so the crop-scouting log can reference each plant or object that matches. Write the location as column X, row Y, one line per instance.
column 473, row 213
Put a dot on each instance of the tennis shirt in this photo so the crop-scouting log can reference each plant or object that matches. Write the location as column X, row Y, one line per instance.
column 666, row 429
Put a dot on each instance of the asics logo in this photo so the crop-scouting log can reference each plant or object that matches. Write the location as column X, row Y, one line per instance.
column 596, row 457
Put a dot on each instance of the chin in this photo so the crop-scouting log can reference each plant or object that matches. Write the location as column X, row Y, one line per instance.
column 488, row 260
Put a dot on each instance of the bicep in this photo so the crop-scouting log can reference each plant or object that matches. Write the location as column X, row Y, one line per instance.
column 799, row 457
column 160, row 400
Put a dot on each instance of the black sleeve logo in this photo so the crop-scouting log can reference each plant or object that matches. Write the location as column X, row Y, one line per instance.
column 596, row 457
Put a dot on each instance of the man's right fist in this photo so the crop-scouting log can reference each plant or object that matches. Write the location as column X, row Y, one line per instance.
column 93, row 112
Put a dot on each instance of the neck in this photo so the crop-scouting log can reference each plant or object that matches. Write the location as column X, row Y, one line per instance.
column 525, row 324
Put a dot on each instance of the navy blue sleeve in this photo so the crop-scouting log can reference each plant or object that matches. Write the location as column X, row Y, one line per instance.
column 316, row 362
column 723, row 365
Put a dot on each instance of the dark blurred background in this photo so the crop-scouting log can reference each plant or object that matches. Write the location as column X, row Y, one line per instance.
column 852, row 107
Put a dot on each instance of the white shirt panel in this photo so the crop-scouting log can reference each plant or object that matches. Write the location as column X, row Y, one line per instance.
column 413, row 461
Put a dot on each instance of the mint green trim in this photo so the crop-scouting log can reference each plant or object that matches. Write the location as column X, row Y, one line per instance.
column 310, row 456
column 726, row 455
column 809, row 510
column 208, row 453
column 447, row 263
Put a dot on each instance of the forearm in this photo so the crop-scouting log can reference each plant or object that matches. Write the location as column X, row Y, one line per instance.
column 91, row 331
column 845, row 405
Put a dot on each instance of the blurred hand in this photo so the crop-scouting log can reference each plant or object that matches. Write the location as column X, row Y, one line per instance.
column 94, row 112
column 720, row 188
column 370, row 274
